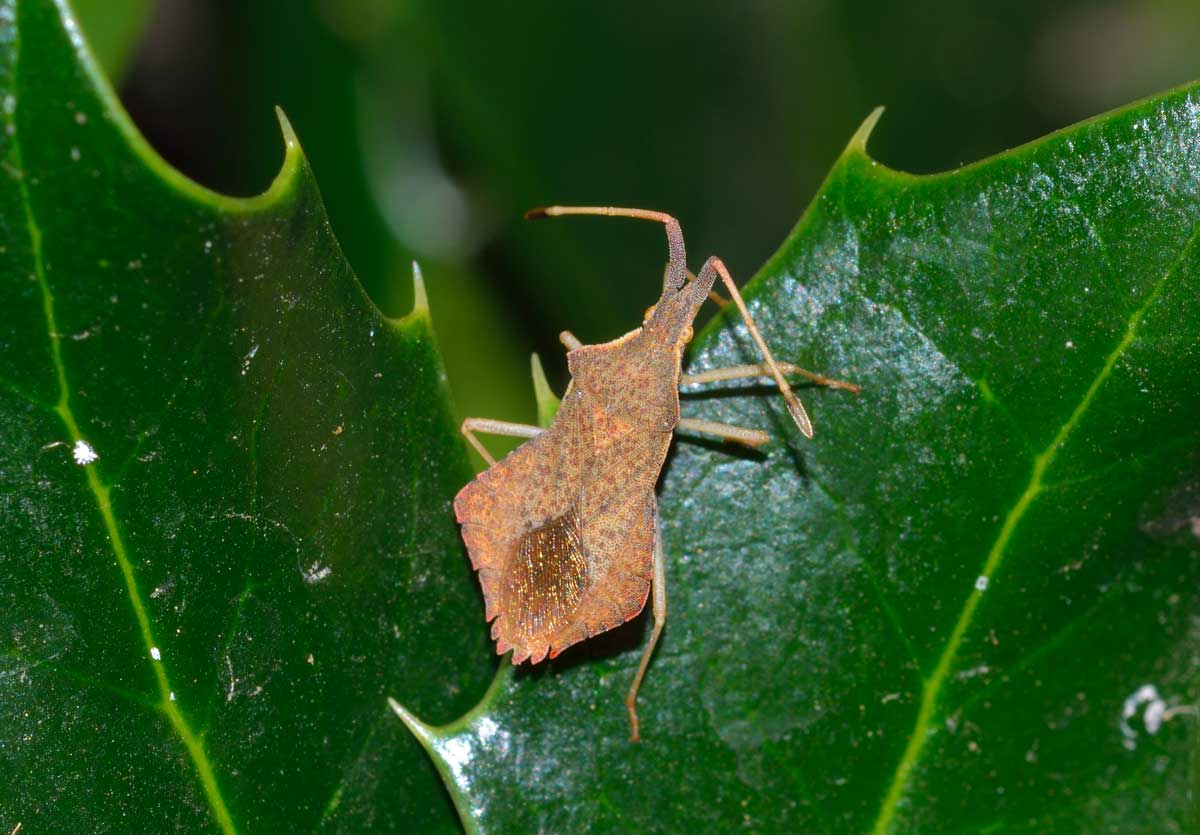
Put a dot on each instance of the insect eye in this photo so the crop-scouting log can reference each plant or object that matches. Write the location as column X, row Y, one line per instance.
column 649, row 312
column 686, row 336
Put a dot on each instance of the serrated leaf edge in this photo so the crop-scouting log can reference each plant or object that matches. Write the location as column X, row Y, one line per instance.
column 167, row 706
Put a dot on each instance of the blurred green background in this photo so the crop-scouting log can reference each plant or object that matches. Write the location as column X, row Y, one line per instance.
column 432, row 125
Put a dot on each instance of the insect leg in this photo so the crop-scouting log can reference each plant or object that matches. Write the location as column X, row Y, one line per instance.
column 739, row 372
column 495, row 427
column 752, row 438
column 658, row 590
column 795, row 408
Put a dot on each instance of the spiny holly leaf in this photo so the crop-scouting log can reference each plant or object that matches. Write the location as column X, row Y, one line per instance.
column 225, row 531
column 972, row 602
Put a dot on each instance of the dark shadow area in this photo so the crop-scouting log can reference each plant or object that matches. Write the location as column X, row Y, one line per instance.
column 715, row 392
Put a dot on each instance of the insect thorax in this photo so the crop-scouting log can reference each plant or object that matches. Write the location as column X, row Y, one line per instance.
column 631, row 380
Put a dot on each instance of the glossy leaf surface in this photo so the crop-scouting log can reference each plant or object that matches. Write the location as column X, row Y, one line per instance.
column 971, row 603
column 198, row 628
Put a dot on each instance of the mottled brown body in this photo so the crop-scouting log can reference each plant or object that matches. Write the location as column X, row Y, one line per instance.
column 562, row 530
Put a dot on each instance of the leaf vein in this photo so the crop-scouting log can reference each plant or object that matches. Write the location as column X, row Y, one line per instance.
column 924, row 726
column 100, row 492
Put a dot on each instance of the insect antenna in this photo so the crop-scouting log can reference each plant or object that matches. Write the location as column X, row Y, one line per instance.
column 677, row 273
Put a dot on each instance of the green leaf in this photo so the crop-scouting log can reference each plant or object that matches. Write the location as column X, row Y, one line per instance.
column 199, row 628
column 971, row 602
column 366, row 119
column 547, row 401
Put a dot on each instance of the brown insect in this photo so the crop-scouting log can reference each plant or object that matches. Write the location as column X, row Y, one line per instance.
column 564, row 531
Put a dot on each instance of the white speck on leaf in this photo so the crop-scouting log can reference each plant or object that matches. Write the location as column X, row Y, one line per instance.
column 1154, row 716
column 171, row 696
column 981, row 670
column 981, row 583
column 246, row 359
column 75, row 154
column 155, row 654
column 83, row 453
column 316, row 573
column 1147, row 694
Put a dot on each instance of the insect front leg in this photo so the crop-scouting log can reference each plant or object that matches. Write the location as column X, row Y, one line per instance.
column 658, row 592
column 794, row 407
column 495, row 427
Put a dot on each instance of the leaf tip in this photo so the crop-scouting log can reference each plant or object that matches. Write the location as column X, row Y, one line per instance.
column 859, row 140
column 420, row 298
column 293, row 158
column 290, row 142
column 423, row 732
column 547, row 402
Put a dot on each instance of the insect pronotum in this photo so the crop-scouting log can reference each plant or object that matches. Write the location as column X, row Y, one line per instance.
column 564, row 531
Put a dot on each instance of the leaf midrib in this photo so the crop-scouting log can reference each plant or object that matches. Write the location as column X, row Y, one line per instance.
column 100, row 493
column 923, row 727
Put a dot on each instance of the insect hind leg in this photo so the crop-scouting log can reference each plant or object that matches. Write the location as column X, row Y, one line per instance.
column 658, row 592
